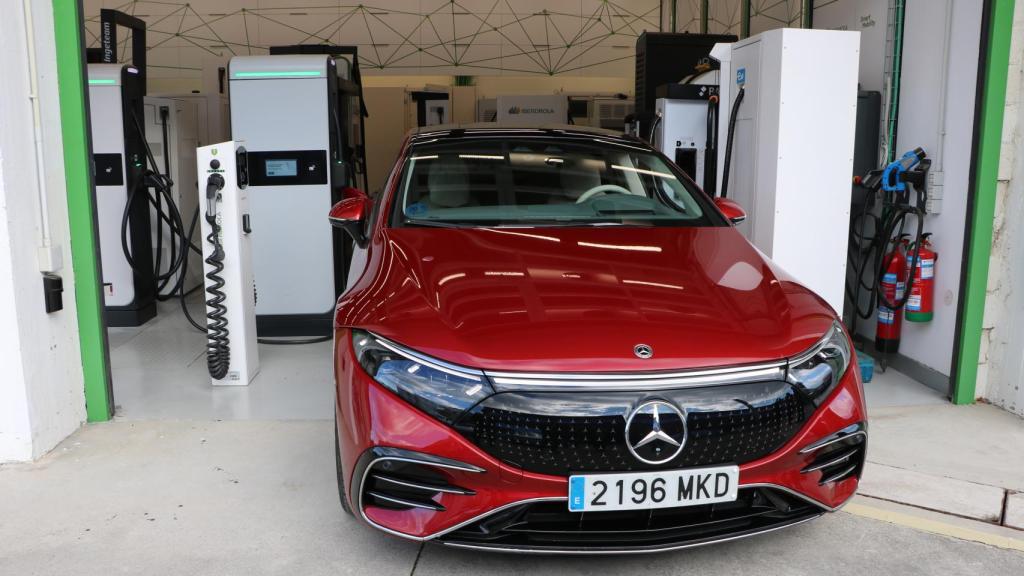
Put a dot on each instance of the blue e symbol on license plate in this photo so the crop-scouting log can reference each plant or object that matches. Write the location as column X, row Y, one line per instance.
column 577, row 492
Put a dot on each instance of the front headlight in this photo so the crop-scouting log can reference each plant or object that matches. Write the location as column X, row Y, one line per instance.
column 819, row 369
column 443, row 390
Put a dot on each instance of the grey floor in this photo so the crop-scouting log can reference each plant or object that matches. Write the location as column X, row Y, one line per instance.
column 159, row 373
column 249, row 497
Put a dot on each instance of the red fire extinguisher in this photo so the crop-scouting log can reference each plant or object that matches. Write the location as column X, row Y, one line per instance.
column 891, row 285
column 920, row 304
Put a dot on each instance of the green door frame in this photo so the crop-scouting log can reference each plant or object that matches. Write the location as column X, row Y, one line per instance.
column 996, row 28
column 68, row 25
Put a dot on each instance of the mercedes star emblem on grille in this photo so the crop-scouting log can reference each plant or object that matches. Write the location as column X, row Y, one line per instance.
column 643, row 351
column 656, row 432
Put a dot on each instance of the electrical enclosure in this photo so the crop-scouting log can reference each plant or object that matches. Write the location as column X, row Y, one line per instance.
column 232, row 212
column 792, row 155
column 284, row 111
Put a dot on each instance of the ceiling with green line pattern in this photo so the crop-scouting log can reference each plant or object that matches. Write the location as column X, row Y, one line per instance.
column 436, row 37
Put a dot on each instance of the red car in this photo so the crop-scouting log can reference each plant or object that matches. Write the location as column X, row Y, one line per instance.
column 553, row 341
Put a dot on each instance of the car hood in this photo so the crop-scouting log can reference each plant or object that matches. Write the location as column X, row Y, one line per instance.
column 581, row 299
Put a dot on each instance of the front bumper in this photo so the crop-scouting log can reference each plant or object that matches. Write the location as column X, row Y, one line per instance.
column 390, row 449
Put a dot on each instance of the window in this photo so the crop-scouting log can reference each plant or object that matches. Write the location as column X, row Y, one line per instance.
column 545, row 181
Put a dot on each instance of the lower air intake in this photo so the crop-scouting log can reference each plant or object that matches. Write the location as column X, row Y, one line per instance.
column 400, row 485
column 551, row 527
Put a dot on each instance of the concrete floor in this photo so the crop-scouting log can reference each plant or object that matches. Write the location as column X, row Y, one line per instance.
column 159, row 372
column 258, row 497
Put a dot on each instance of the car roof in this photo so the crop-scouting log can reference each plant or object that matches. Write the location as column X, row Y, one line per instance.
column 498, row 130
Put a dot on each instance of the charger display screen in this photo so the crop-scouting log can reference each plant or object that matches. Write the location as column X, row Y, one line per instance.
column 287, row 167
column 279, row 167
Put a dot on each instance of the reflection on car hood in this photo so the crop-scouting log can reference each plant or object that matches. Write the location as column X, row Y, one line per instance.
column 581, row 298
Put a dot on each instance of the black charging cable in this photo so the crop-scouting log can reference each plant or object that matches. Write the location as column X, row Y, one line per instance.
column 729, row 140
column 218, row 346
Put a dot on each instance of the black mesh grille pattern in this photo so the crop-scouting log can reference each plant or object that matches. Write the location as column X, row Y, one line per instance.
column 564, row 433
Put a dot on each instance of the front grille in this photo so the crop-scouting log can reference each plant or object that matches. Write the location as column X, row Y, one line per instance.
column 562, row 433
column 541, row 526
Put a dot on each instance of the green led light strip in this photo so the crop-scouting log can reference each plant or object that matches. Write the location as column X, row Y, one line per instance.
column 103, row 81
column 281, row 74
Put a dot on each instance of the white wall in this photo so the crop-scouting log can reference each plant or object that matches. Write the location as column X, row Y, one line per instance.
column 931, row 344
column 1001, row 365
column 871, row 19
column 919, row 124
column 41, row 391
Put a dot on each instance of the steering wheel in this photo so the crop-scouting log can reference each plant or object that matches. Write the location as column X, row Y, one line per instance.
column 599, row 189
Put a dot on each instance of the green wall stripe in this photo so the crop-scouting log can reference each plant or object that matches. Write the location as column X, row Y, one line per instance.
column 989, row 144
column 74, row 118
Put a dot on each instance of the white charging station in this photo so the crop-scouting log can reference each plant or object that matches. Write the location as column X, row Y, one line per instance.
column 227, row 263
column 284, row 107
column 793, row 147
column 682, row 129
column 115, row 104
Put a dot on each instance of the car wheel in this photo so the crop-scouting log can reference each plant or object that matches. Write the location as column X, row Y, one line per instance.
column 340, row 473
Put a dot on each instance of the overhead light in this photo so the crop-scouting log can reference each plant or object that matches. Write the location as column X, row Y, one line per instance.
column 431, row 157
column 534, row 236
column 102, row 81
column 279, row 74
column 653, row 284
column 481, row 157
column 621, row 247
column 450, row 277
column 642, row 171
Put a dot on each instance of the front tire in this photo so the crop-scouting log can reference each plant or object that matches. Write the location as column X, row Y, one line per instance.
column 339, row 472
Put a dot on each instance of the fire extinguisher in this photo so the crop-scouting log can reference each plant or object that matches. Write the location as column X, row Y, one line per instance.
column 891, row 284
column 921, row 303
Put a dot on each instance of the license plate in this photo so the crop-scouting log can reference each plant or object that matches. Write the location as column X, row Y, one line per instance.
column 645, row 490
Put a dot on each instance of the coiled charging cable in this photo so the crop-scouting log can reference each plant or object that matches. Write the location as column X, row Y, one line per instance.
column 218, row 347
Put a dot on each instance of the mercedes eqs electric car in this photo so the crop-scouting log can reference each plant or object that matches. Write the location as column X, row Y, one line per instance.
column 553, row 341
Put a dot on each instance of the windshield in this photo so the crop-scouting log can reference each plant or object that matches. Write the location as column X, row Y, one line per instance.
column 545, row 181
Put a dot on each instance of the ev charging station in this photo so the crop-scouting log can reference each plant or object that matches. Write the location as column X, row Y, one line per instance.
column 762, row 131
column 686, row 128
column 791, row 144
column 231, row 351
column 284, row 109
column 115, row 112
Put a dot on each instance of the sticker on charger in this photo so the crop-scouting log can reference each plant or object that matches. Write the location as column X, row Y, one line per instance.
column 741, row 76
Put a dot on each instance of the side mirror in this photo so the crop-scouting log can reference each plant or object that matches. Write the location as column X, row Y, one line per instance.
column 731, row 210
column 350, row 214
